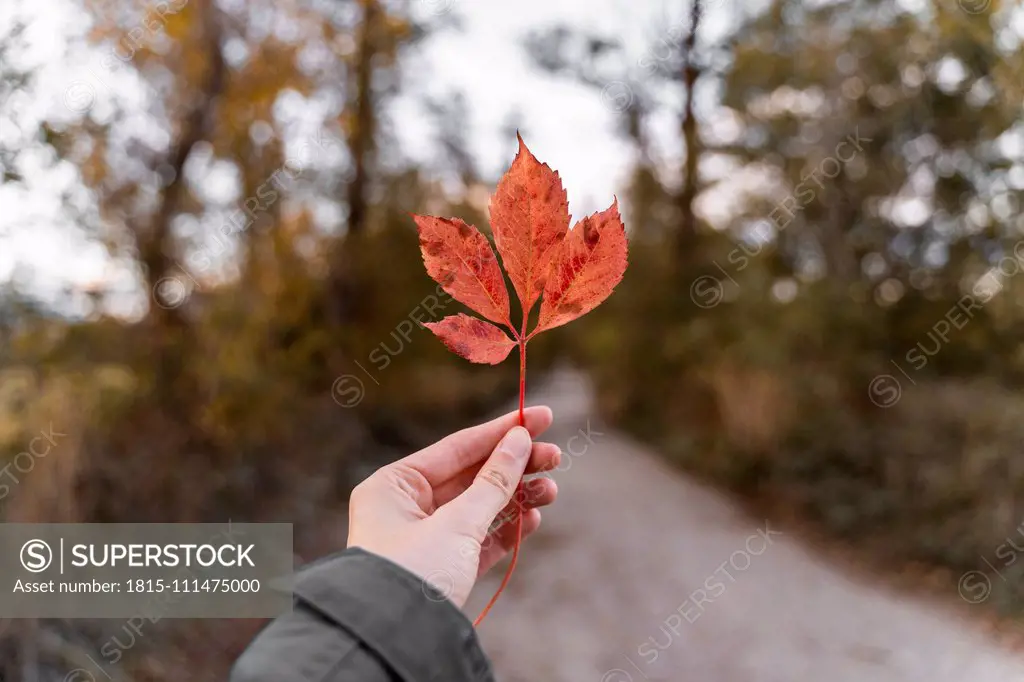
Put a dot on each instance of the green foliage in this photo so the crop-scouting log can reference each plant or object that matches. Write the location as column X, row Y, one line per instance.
column 751, row 362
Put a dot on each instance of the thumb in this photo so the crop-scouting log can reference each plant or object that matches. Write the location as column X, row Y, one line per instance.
column 496, row 482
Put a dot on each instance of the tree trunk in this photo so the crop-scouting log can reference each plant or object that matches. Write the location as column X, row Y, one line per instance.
column 361, row 139
column 343, row 285
column 687, row 236
column 155, row 244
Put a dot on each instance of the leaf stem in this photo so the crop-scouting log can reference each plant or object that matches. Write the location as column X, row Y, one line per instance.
column 522, row 380
column 519, row 498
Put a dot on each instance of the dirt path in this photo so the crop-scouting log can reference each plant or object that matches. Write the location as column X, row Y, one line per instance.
column 641, row 574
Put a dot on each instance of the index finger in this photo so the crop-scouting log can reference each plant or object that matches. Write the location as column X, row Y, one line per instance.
column 462, row 449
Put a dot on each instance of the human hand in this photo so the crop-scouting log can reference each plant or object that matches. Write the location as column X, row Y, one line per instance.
column 430, row 512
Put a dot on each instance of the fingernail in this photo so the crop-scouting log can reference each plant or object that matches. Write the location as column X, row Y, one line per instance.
column 517, row 443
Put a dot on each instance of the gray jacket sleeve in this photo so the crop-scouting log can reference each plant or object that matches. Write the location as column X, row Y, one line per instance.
column 360, row 618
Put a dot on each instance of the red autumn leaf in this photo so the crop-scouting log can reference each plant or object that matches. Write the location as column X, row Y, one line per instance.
column 576, row 270
column 460, row 259
column 473, row 339
column 590, row 262
column 529, row 217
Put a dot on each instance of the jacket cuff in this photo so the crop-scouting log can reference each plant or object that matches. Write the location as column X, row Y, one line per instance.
column 418, row 632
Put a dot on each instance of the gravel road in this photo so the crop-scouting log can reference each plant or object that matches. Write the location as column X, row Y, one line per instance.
column 639, row 573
